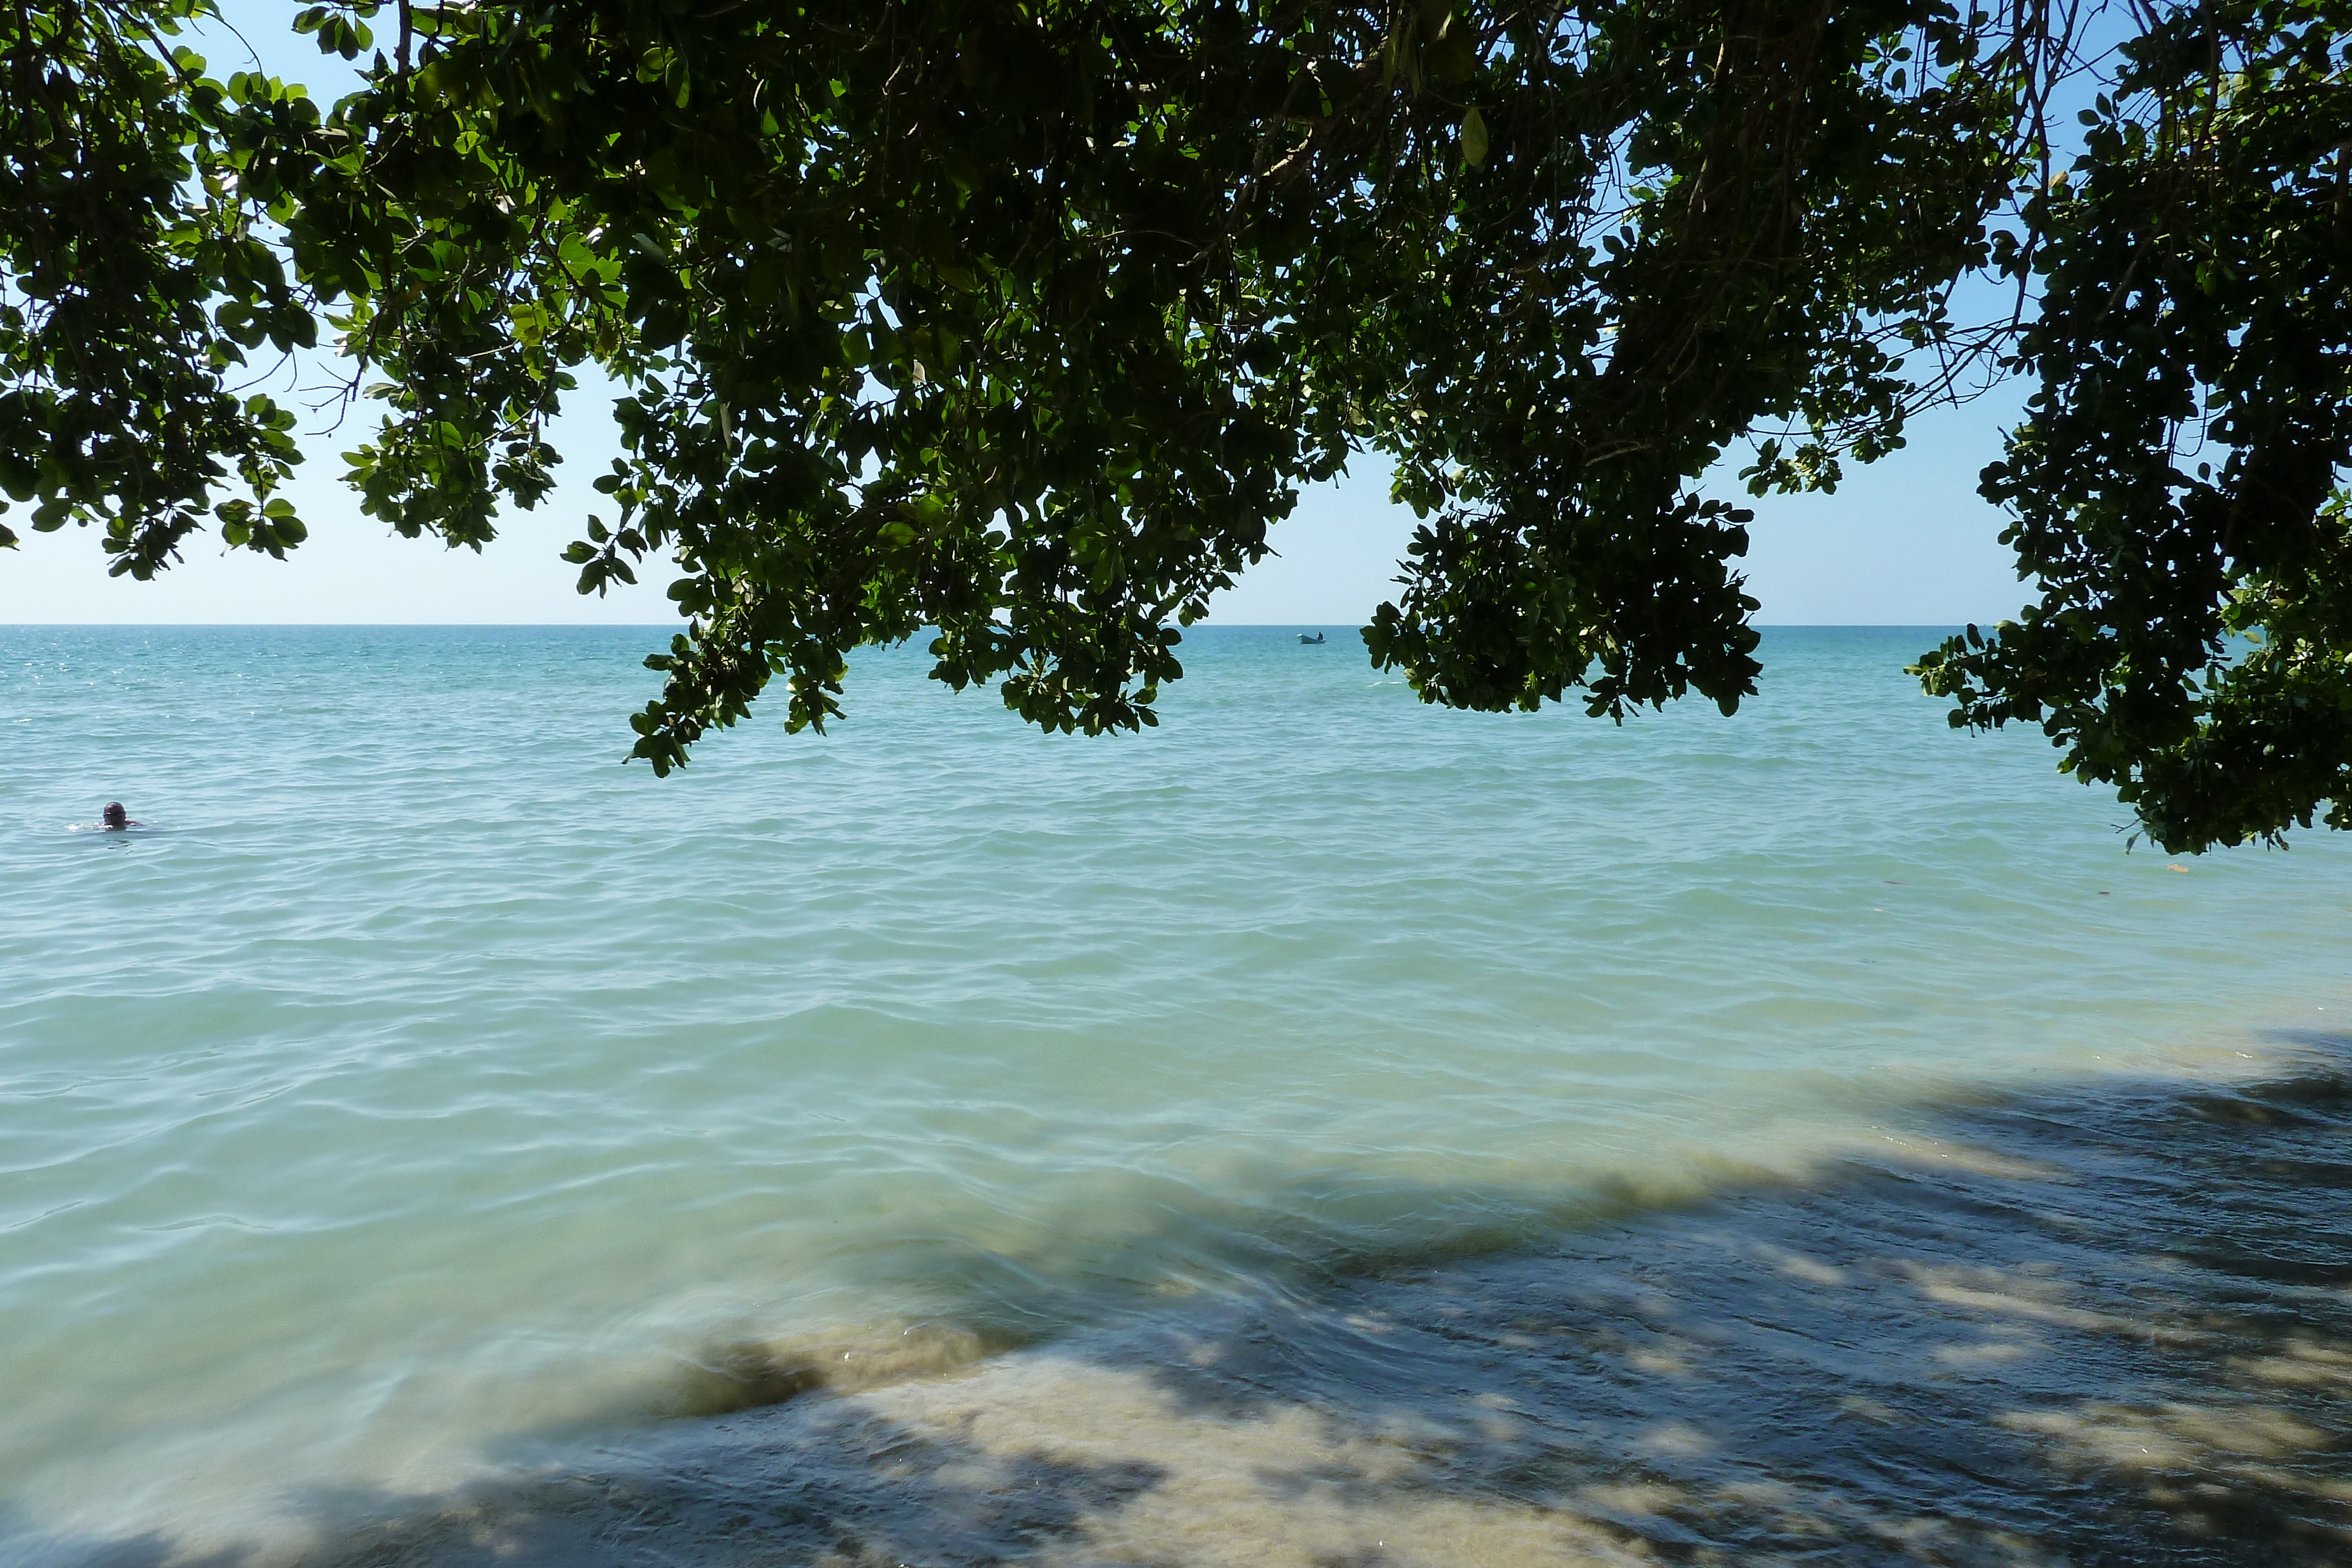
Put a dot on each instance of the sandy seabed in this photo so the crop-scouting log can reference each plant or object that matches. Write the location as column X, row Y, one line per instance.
column 2110, row 1324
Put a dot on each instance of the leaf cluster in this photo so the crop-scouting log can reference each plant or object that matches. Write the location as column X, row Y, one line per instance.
column 2177, row 486
column 1018, row 325
column 1023, row 324
column 137, row 274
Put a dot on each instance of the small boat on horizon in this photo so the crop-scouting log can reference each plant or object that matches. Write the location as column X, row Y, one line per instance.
column 1310, row 641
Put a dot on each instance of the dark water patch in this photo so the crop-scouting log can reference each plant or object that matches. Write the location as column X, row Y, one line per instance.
column 2105, row 1324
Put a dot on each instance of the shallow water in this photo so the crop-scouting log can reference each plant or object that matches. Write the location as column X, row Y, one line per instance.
column 428, row 1128
column 2096, row 1324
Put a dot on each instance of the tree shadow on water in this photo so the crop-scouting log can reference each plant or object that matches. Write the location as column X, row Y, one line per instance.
column 2107, row 1323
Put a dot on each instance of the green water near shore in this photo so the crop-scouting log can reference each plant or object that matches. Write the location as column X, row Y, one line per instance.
column 421, row 1089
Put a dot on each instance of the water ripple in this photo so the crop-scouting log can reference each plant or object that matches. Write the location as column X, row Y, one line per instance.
column 423, row 1081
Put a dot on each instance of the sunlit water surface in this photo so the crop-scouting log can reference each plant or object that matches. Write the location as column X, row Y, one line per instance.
column 1325, row 1119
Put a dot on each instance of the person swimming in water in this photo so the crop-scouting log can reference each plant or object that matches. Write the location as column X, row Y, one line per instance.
column 114, row 819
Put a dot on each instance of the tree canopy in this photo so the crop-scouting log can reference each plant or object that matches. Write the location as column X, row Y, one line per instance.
column 1021, row 323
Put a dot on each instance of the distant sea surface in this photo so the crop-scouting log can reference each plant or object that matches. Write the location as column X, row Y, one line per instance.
column 1326, row 1128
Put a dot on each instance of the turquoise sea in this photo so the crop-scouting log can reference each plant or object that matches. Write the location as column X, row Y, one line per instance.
column 1323, row 1129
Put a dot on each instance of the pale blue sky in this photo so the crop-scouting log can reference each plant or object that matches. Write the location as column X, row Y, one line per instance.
column 1906, row 542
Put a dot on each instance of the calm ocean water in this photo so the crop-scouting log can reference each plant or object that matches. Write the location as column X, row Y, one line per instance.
column 1325, row 1129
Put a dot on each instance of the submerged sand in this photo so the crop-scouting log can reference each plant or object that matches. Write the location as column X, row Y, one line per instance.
column 2107, row 1324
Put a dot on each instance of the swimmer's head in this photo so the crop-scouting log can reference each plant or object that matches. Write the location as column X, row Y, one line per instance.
column 115, row 816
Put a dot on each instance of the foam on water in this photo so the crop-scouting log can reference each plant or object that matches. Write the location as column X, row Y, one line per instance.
column 423, row 1095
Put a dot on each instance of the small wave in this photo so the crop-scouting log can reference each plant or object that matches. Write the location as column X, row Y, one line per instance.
column 749, row 1374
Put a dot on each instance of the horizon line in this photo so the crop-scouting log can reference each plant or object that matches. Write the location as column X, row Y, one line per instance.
column 673, row 626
